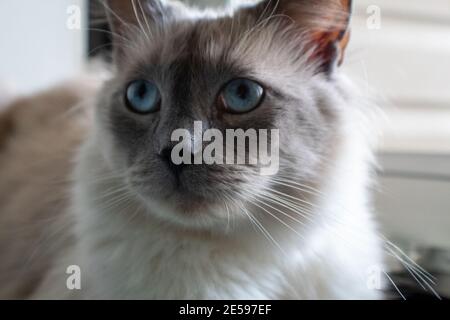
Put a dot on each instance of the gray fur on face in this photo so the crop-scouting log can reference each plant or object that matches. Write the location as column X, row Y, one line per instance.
column 190, row 56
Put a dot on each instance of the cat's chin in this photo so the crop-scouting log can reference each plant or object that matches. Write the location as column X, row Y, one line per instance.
column 187, row 210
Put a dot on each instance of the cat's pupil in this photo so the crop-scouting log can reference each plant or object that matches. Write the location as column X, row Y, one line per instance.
column 242, row 91
column 142, row 91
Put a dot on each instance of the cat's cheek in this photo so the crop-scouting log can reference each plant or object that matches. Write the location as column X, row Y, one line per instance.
column 111, row 156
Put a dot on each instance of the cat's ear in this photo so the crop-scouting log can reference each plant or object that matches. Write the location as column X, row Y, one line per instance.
column 326, row 24
column 129, row 17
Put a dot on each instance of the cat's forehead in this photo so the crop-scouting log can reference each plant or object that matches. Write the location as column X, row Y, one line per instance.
column 232, row 44
column 203, row 39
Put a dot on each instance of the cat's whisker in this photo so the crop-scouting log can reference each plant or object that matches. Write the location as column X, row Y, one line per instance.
column 422, row 277
column 267, row 6
column 300, row 203
column 309, row 218
column 278, row 219
column 415, row 270
column 111, row 11
column 412, row 273
column 256, row 198
column 129, row 27
column 407, row 267
column 113, row 197
column 297, row 200
column 138, row 19
column 261, row 228
column 112, row 191
column 406, row 256
column 394, row 285
column 261, row 25
column 118, row 198
column 356, row 244
column 149, row 29
column 288, row 205
column 304, row 187
column 296, row 186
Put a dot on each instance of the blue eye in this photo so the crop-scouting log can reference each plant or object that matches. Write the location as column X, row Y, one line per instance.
column 143, row 97
column 242, row 95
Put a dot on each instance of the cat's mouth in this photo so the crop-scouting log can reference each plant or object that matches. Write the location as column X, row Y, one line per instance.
column 184, row 207
column 190, row 191
column 185, row 194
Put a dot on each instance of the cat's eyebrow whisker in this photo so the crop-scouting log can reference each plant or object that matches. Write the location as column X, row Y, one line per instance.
column 133, row 2
column 255, row 28
column 263, row 13
column 111, row 11
column 149, row 30
column 116, row 16
column 272, row 14
column 260, row 22
column 126, row 26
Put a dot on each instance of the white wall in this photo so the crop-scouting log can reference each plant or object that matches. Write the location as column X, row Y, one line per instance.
column 407, row 63
column 37, row 49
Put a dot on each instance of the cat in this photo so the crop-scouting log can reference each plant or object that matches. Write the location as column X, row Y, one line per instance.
column 95, row 187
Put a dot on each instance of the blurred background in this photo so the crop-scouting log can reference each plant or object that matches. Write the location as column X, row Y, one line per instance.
column 399, row 53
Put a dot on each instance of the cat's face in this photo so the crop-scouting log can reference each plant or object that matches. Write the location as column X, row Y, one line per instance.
column 176, row 67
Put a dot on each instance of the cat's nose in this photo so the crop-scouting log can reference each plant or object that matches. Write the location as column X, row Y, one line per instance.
column 166, row 155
